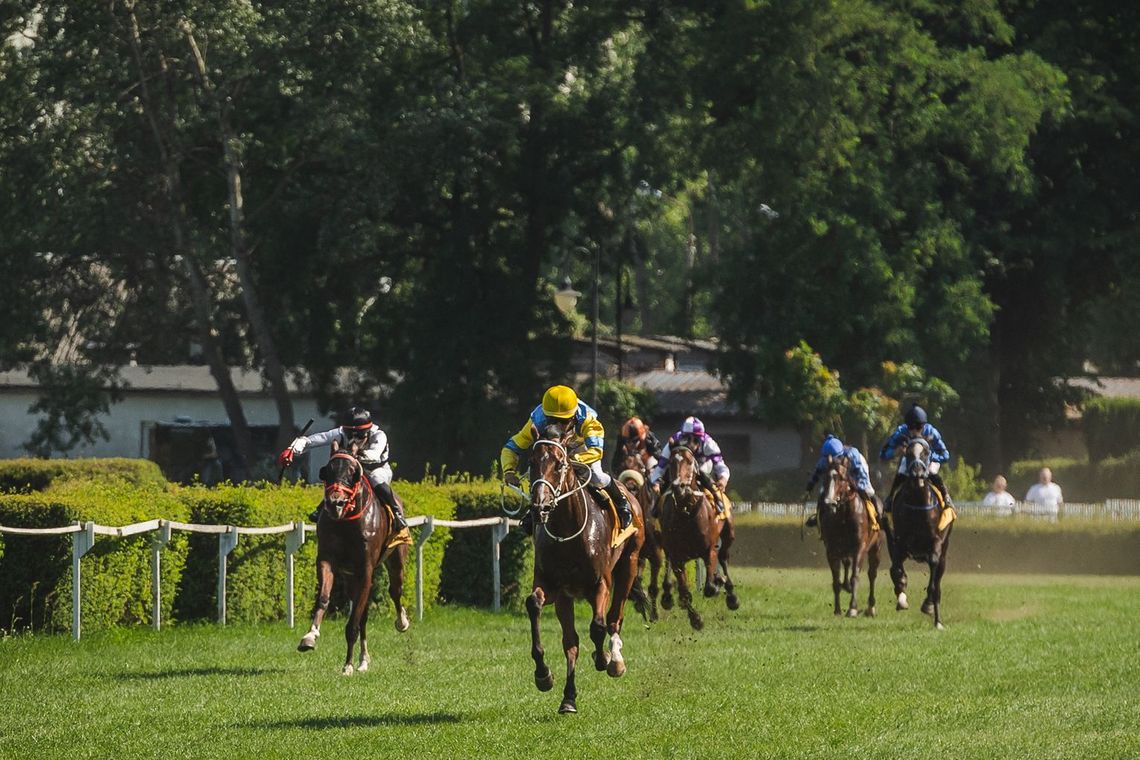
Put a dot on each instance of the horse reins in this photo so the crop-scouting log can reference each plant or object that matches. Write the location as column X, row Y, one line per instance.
column 558, row 496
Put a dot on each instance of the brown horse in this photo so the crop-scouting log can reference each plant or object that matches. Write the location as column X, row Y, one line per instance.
column 574, row 559
column 915, row 514
column 634, row 476
column 847, row 535
column 690, row 530
column 353, row 534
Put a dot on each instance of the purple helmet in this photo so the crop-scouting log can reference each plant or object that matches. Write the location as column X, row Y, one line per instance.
column 693, row 426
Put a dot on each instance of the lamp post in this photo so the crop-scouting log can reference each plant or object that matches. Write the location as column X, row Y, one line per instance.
column 566, row 298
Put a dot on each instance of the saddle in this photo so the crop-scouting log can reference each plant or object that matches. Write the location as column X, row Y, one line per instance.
column 618, row 536
column 402, row 538
column 946, row 513
column 721, row 516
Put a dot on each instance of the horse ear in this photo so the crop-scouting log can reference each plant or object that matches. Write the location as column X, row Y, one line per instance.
column 323, row 473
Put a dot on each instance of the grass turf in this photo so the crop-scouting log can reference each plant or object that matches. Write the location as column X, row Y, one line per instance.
column 1030, row 666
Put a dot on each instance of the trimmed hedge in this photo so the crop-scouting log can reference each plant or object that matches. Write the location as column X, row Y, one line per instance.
column 26, row 475
column 1114, row 478
column 36, row 570
column 467, row 561
column 1111, row 427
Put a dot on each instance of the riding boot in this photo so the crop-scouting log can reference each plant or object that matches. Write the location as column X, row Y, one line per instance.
column 871, row 500
column 718, row 498
column 625, row 514
column 812, row 520
column 316, row 513
column 941, row 486
column 393, row 501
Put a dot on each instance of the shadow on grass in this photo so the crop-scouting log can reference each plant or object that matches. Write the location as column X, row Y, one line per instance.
column 158, row 675
column 359, row 721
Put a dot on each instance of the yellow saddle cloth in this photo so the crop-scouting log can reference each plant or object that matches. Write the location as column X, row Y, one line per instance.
column 397, row 539
column 727, row 504
column 618, row 536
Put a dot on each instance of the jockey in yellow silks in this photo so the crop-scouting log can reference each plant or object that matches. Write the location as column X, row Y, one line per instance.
column 560, row 405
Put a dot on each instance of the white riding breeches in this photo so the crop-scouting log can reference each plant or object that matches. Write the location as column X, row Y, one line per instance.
column 380, row 475
column 597, row 477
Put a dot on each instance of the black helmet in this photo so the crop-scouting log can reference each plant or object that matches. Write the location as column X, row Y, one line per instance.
column 915, row 416
column 357, row 419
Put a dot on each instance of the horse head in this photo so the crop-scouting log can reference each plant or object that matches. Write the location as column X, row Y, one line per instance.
column 917, row 460
column 551, row 471
column 839, row 484
column 343, row 477
column 682, row 474
column 632, row 457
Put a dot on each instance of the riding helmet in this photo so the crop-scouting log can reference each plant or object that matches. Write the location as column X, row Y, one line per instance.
column 832, row 446
column 560, row 402
column 357, row 419
column 634, row 429
column 693, row 426
column 915, row 416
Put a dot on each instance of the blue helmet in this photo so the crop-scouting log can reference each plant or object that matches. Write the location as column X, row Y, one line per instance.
column 915, row 416
column 832, row 446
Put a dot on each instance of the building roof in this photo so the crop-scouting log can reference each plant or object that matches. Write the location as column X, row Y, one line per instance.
column 687, row 392
column 175, row 378
column 1110, row 387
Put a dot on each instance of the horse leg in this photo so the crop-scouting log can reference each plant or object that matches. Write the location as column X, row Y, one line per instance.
column 936, row 571
column 564, row 608
column 898, row 576
column 872, row 572
column 395, row 564
column 623, row 573
column 598, row 625
column 666, row 587
column 836, row 584
column 711, row 588
column 685, row 597
column 727, row 536
column 856, row 566
column 542, row 677
column 365, row 658
column 320, row 606
column 655, row 555
column 359, row 608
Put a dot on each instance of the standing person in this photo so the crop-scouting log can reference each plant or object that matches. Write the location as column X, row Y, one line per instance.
column 712, row 472
column 915, row 425
column 859, row 472
column 998, row 497
column 1045, row 492
column 560, row 406
column 372, row 453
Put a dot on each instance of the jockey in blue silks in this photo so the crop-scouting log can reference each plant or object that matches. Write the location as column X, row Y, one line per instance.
column 915, row 425
column 859, row 472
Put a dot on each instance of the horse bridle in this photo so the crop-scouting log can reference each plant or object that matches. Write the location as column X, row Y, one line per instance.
column 546, row 507
column 676, row 455
column 349, row 493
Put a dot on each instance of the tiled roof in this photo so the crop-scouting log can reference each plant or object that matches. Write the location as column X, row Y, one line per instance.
column 687, row 392
column 1111, row 387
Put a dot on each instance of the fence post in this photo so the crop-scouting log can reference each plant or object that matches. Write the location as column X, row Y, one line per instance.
column 226, row 543
column 498, row 532
column 81, row 543
column 158, row 542
column 293, row 541
column 421, row 539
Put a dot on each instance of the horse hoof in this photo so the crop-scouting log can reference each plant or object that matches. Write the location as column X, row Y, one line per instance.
column 616, row 668
column 347, row 671
column 852, row 612
column 567, row 707
column 939, row 627
column 927, row 607
column 653, row 615
column 307, row 644
column 710, row 590
column 544, row 683
column 903, row 604
column 402, row 622
column 870, row 612
column 667, row 602
column 732, row 601
column 695, row 621
column 601, row 661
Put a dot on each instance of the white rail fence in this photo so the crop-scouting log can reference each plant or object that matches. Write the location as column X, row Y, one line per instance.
column 1112, row 509
column 83, row 539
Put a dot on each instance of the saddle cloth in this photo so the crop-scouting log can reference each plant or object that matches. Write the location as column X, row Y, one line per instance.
column 396, row 539
column 946, row 513
column 617, row 536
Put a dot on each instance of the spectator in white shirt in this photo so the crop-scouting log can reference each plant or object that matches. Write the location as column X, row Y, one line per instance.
column 999, row 498
column 1045, row 493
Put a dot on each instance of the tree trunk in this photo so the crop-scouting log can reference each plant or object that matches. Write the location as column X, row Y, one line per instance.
column 262, row 336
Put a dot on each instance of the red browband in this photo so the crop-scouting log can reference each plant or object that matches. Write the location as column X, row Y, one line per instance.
column 355, row 511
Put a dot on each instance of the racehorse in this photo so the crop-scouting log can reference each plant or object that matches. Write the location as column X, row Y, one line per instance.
column 635, row 476
column 574, row 559
column 915, row 517
column 847, row 535
column 354, row 534
column 690, row 530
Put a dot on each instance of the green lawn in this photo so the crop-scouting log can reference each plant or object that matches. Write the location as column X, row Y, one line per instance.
column 1029, row 667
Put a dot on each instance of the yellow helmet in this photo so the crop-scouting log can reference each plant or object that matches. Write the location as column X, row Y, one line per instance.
column 560, row 402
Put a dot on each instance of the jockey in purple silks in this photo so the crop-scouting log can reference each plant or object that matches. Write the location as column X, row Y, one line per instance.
column 712, row 472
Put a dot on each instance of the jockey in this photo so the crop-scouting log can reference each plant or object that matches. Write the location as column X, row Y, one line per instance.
column 710, row 462
column 372, row 454
column 859, row 472
column 636, row 431
column 915, row 425
column 560, row 404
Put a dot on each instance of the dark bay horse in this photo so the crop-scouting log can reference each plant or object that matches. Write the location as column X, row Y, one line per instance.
column 915, row 515
column 690, row 530
column 353, row 534
column 634, row 474
column 574, row 559
column 847, row 535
